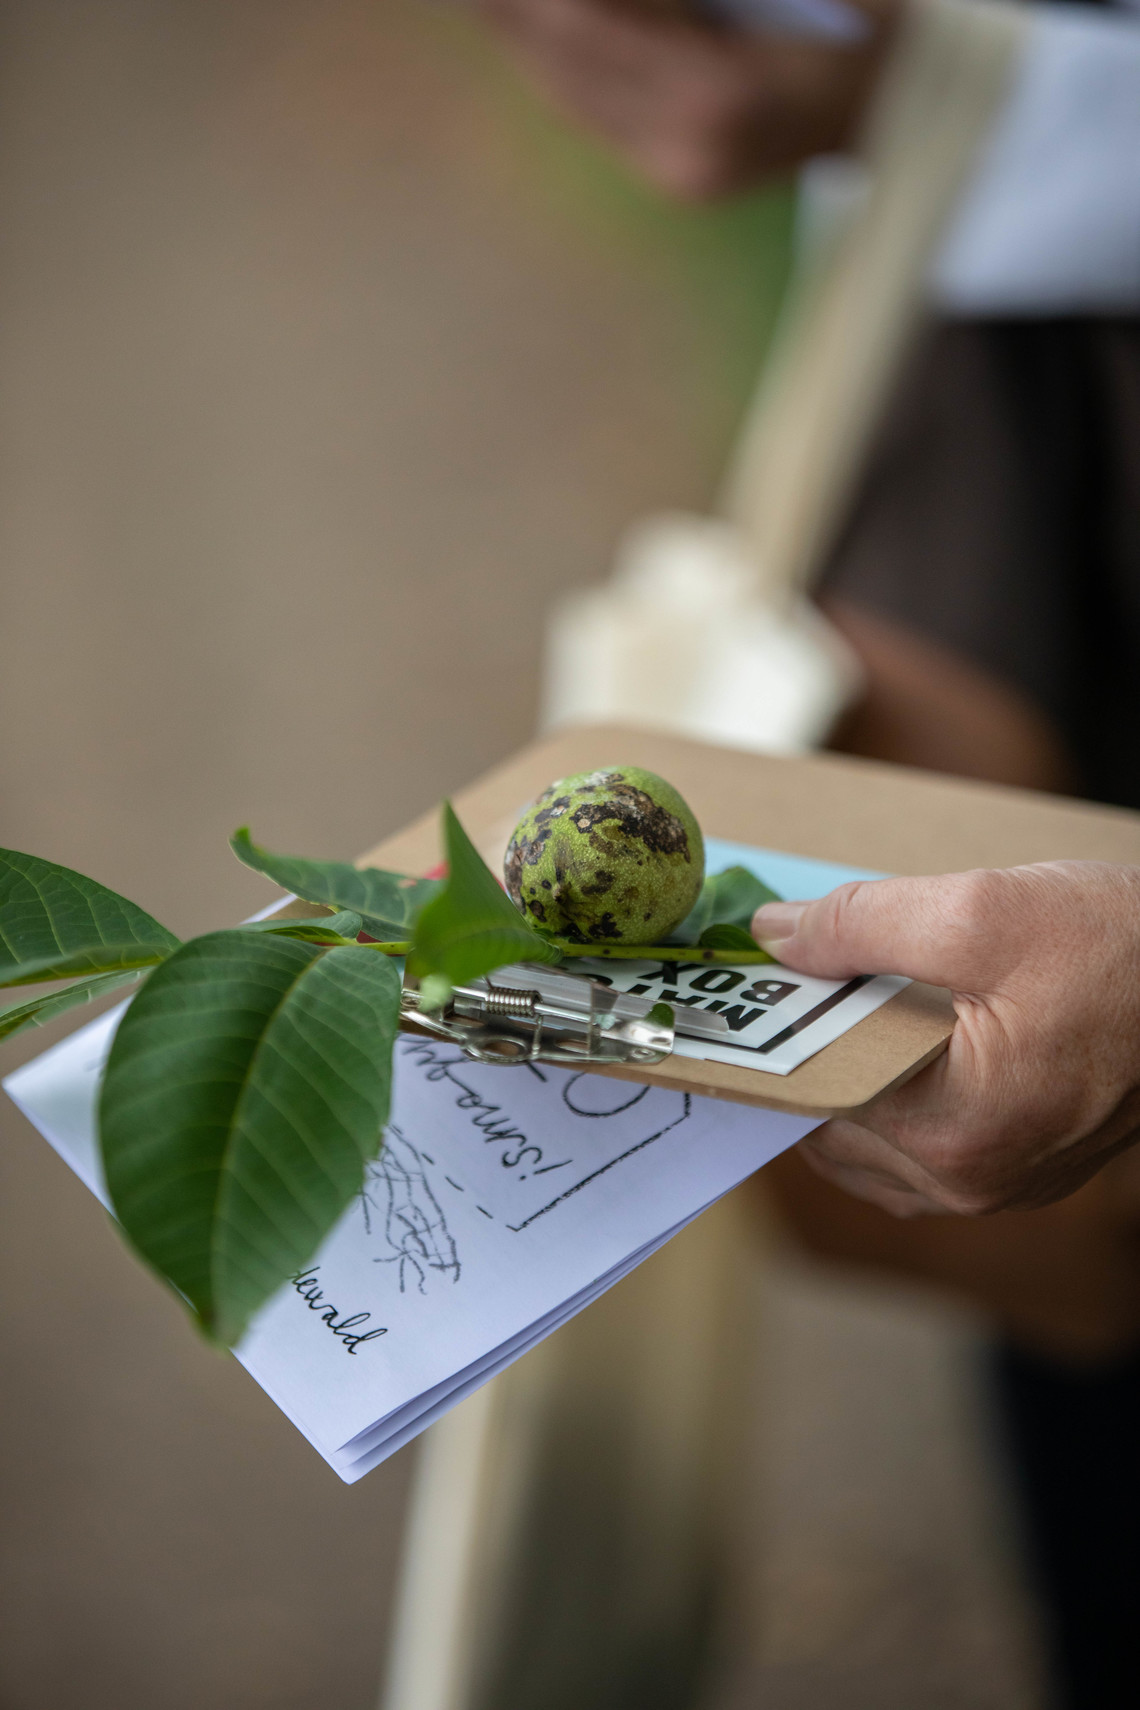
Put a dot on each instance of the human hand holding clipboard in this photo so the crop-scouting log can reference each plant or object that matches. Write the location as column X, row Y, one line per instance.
column 1040, row 1086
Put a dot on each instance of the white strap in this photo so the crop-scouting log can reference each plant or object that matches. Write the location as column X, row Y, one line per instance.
column 851, row 319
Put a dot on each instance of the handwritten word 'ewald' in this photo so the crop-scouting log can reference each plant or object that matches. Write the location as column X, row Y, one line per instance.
column 307, row 1286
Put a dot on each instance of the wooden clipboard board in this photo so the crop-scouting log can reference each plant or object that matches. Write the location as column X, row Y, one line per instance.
column 860, row 813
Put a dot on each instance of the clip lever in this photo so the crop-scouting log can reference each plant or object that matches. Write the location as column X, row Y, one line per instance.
column 528, row 1014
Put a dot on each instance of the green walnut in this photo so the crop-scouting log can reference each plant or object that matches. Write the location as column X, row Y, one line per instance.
column 615, row 855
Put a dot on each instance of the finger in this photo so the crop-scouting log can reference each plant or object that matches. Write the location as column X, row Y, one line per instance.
column 944, row 1133
column 856, row 1146
column 669, row 95
column 900, row 1202
column 612, row 70
column 681, row 61
column 585, row 32
column 960, row 930
column 603, row 98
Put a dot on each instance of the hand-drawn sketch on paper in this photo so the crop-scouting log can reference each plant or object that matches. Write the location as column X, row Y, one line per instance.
column 400, row 1209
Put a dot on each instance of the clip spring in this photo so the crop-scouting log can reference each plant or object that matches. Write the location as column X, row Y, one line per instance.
column 511, row 1005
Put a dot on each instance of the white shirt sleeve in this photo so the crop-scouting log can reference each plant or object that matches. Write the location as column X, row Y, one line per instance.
column 1050, row 223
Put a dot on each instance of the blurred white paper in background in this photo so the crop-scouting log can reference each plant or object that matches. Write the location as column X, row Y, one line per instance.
column 677, row 639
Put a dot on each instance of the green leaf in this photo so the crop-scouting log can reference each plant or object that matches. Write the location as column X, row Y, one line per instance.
column 730, row 898
column 43, row 1009
column 726, row 936
column 55, row 922
column 342, row 928
column 472, row 926
column 388, row 903
column 247, row 1086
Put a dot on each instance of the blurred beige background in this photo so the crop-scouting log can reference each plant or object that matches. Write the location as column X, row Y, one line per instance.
column 325, row 360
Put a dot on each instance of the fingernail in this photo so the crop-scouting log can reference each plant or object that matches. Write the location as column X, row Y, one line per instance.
column 776, row 921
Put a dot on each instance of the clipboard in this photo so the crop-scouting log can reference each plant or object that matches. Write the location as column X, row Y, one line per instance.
column 829, row 807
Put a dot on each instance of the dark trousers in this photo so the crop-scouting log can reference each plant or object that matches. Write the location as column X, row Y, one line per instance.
column 1000, row 516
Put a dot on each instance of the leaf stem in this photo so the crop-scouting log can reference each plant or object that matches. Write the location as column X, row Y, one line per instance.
column 622, row 952
column 660, row 953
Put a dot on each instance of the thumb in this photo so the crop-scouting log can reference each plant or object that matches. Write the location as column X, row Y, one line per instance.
column 944, row 930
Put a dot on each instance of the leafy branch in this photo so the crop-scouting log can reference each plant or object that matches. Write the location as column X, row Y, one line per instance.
column 249, row 1081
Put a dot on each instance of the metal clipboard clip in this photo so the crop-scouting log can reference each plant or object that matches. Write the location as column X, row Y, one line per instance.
column 528, row 1013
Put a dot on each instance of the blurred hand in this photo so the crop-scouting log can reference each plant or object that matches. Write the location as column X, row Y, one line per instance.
column 697, row 108
column 1040, row 1085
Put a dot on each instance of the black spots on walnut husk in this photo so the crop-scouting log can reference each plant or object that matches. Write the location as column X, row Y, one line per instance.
column 640, row 818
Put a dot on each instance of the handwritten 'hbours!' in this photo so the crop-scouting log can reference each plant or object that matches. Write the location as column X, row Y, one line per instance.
column 613, row 1122
column 439, row 1064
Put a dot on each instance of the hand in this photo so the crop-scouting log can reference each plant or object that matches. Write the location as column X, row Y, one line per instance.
column 1040, row 1085
column 697, row 108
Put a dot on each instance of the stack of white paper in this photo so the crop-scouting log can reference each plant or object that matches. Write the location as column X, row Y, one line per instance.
column 505, row 1201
